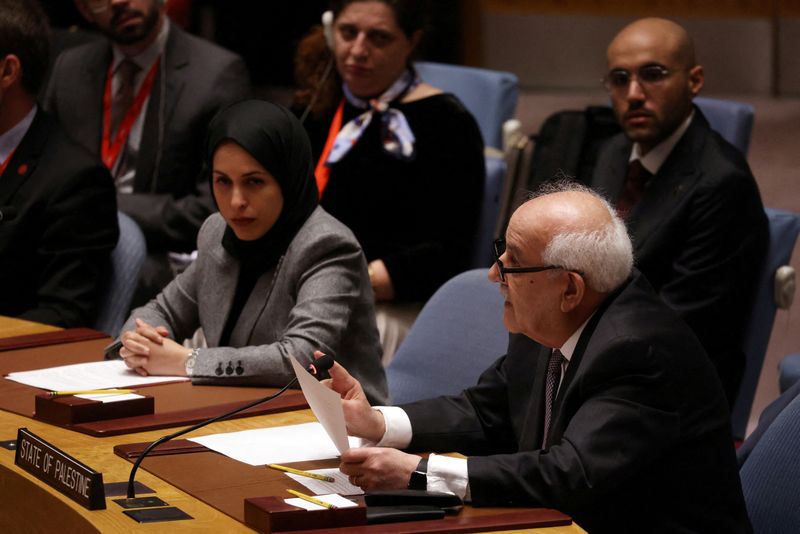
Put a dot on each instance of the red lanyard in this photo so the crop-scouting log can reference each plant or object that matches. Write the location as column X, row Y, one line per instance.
column 5, row 163
column 110, row 150
column 322, row 172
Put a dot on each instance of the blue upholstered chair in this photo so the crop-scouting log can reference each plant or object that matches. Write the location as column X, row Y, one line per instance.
column 789, row 371
column 491, row 97
column 126, row 262
column 732, row 120
column 458, row 334
column 771, row 474
column 775, row 289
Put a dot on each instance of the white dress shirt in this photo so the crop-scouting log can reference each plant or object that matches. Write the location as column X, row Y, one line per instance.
column 653, row 160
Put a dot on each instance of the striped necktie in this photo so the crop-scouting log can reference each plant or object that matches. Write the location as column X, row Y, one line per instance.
column 551, row 388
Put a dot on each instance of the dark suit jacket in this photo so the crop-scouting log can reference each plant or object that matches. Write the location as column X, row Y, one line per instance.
column 171, row 197
column 700, row 235
column 640, row 439
column 54, row 252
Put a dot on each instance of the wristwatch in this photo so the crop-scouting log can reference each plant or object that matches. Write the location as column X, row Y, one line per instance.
column 189, row 365
column 419, row 476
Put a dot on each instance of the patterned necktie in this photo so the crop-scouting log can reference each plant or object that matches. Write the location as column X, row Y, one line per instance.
column 550, row 388
column 632, row 190
column 123, row 98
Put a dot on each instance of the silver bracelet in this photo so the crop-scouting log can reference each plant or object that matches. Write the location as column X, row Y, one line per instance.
column 189, row 365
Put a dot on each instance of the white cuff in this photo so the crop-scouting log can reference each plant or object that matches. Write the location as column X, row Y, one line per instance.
column 398, row 427
column 449, row 475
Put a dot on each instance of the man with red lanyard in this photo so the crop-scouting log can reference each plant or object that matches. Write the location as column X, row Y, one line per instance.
column 58, row 221
column 142, row 104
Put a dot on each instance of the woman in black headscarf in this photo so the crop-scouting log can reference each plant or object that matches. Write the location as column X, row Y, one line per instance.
column 275, row 274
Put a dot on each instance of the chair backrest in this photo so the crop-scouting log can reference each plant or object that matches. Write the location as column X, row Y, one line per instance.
column 456, row 336
column 732, row 120
column 783, row 229
column 490, row 209
column 126, row 262
column 771, row 475
column 490, row 95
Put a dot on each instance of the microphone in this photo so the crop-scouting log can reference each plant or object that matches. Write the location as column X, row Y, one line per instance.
column 323, row 363
column 8, row 213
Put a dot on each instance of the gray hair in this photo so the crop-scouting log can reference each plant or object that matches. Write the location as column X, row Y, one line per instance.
column 605, row 256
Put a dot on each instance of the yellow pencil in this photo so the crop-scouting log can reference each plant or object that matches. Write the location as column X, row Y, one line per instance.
column 311, row 499
column 91, row 392
column 326, row 478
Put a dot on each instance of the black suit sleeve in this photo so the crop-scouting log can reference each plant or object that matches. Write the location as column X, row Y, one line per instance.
column 80, row 230
column 624, row 421
column 624, row 424
column 475, row 422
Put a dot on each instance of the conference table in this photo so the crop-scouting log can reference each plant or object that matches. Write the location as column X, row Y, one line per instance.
column 29, row 505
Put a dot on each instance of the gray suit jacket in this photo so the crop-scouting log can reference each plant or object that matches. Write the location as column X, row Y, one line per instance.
column 171, row 197
column 318, row 297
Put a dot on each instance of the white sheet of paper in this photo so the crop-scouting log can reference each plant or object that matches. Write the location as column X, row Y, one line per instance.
column 336, row 500
column 276, row 445
column 91, row 375
column 326, row 405
column 110, row 398
column 340, row 485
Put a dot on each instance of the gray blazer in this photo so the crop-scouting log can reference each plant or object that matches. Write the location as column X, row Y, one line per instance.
column 318, row 297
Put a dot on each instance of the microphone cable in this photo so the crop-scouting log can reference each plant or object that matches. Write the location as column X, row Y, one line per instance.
column 322, row 364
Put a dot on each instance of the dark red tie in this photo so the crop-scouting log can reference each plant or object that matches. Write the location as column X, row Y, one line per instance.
column 635, row 181
column 127, row 70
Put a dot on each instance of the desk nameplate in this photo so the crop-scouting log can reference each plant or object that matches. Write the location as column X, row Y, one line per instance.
column 71, row 410
column 67, row 475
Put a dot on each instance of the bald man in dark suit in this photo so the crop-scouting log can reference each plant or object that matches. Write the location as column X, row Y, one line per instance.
column 688, row 197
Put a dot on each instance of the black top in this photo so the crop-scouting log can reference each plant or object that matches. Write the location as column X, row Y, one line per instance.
column 418, row 216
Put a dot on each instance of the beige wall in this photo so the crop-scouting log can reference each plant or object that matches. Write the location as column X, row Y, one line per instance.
column 554, row 51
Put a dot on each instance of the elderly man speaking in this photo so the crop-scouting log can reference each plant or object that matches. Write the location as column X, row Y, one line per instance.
column 604, row 407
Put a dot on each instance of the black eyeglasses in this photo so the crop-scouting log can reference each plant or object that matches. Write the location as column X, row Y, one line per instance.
column 620, row 79
column 500, row 248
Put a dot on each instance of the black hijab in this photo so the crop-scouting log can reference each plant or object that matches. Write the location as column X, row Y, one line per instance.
column 277, row 140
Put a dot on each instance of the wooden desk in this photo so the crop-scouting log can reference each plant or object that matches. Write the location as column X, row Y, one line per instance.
column 30, row 505
column 11, row 327
column 27, row 504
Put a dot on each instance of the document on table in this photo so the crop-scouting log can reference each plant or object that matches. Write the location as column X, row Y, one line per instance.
column 340, row 484
column 276, row 445
column 91, row 375
column 336, row 500
column 104, row 398
column 296, row 443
